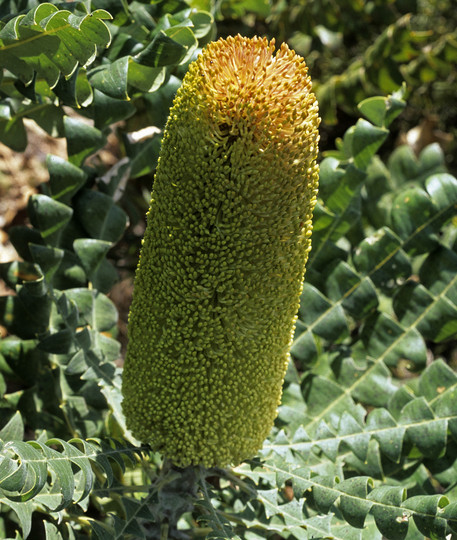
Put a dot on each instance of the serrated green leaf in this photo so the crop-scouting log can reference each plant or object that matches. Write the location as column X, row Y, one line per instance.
column 449, row 512
column 112, row 78
column 324, row 496
column 21, row 359
column 100, row 217
column 167, row 47
column 202, row 22
column 21, row 236
column 61, row 342
column 381, row 257
column 159, row 102
column 51, row 531
column 48, row 116
column 434, row 316
column 304, row 346
column 437, row 273
column 442, row 188
column 70, row 272
column 77, row 364
column 12, row 129
column 49, row 216
column 386, row 431
column 29, row 477
column 50, row 41
column 355, row 507
column 23, row 511
column 388, row 341
column 145, row 78
column 14, row 429
column 82, row 140
column 431, row 159
column 357, row 294
column 102, row 531
column 324, row 398
column 425, row 514
column 105, row 277
column 74, row 91
column 403, row 165
column 411, row 217
column 381, row 111
column 144, row 156
column 91, row 252
column 343, row 210
column 366, row 140
column 65, row 179
column 55, row 478
column 47, row 258
column 389, row 515
column 437, row 379
column 62, row 472
column 374, row 109
column 107, row 111
column 430, row 434
column 96, row 310
column 370, row 382
column 27, row 313
column 319, row 314
column 15, row 272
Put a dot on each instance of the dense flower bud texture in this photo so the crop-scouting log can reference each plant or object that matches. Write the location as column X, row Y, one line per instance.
column 222, row 264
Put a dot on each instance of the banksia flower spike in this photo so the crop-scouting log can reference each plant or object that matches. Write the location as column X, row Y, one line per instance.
column 223, row 258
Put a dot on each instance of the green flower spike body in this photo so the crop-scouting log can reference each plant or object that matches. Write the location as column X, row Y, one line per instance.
column 222, row 264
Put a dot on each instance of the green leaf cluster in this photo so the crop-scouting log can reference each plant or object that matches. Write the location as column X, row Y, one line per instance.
column 359, row 49
column 365, row 443
column 62, row 325
column 54, row 55
column 51, row 475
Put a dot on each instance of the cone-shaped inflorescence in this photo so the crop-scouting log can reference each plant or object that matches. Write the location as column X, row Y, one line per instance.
column 222, row 264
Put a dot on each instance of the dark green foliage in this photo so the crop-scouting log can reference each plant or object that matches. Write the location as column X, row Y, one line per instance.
column 146, row 42
column 365, row 444
column 357, row 49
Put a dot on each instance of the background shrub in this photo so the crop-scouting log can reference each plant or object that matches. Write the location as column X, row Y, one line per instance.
column 365, row 443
